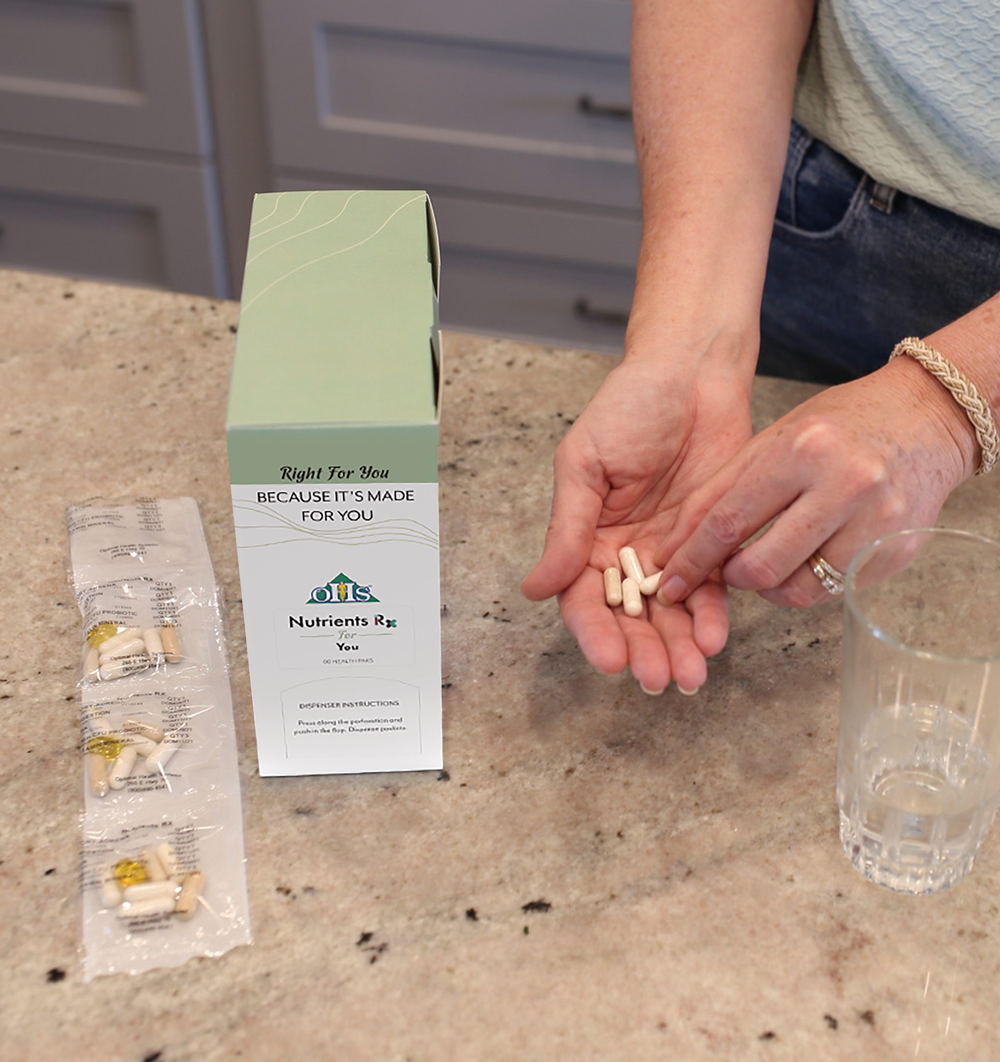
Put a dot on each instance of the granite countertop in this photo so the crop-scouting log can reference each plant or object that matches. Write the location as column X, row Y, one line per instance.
column 596, row 874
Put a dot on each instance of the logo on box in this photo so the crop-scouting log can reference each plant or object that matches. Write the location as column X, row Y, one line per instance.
column 341, row 590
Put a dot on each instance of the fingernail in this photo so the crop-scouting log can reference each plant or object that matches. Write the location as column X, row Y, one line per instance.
column 688, row 693
column 671, row 590
column 652, row 693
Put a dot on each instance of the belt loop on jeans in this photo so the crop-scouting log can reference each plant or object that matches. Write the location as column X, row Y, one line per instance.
column 882, row 197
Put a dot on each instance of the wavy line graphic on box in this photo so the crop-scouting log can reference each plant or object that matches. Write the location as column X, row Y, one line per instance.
column 401, row 530
column 296, row 235
column 274, row 210
column 323, row 257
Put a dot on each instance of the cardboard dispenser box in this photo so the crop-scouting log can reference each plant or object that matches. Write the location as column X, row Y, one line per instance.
column 332, row 432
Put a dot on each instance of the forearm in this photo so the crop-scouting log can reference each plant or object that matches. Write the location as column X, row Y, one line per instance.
column 713, row 82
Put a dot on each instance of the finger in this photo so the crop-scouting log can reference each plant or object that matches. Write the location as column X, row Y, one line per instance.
column 594, row 626
column 742, row 508
column 576, row 507
column 776, row 555
column 709, row 607
column 817, row 579
column 648, row 658
column 675, row 627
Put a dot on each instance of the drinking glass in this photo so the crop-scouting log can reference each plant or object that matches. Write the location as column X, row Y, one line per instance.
column 918, row 772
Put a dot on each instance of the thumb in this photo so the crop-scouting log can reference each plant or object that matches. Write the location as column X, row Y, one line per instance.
column 576, row 508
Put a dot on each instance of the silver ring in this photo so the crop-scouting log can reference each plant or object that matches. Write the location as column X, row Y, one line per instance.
column 831, row 579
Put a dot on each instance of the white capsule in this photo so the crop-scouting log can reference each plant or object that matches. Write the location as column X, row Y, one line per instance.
column 128, row 665
column 143, row 745
column 631, row 568
column 137, row 726
column 171, row 643
column 158, row 759
column 156, row 905
column 95, row 724
column 109, row 645
column 650, row 584
column 122, row 767
column 153, row 643
column 136, row 647
column 167, row 858
column 631, row 598
column 150, row 890
column 91, row 664
column 613, row 586
column 111, row 891
column 97, row 774
column 155, row 870
column 191, row 889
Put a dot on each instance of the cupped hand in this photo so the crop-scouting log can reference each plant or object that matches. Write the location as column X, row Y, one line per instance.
column 850, row 464
column 621, row 473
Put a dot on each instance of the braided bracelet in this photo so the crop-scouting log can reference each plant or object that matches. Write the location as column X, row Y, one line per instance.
column 963, row 390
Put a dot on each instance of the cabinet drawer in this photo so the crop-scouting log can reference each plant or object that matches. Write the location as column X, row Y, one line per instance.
column 521, row 98
column 550, row 275
column 115, row 72
column 539, row 300
column 110, row 218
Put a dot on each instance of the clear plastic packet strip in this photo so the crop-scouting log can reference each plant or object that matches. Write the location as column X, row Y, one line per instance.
column 134, row 535
column 159, row 760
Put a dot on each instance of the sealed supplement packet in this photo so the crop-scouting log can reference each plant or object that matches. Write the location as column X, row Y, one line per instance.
column 163, row 871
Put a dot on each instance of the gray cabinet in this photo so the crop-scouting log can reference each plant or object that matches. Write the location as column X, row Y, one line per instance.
column 515, row 117
column 106, row 151
column 133, row 134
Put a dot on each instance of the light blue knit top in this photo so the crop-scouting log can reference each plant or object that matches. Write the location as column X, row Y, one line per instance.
column 910, row 91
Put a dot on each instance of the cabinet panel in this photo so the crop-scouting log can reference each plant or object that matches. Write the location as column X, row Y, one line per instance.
column 121, row 72
column 528, row 99
column 110, row 218
column 550, row 275
column 536, row 299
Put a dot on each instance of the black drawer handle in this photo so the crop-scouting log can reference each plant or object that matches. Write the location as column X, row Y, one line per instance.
column 586, row 312
column 588, row 105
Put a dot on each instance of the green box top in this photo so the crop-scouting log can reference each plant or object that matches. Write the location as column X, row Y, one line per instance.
column 338, row 318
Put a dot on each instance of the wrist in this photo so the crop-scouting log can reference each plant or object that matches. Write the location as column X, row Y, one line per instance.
column 953, row 436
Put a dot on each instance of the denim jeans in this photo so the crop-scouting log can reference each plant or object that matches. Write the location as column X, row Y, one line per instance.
column 855, row 266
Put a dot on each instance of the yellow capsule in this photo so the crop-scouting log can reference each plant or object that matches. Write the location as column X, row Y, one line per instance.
column 130, row 872
column 101, row 633
column 106, row 745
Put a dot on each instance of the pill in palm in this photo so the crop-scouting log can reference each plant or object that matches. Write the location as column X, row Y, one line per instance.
column 631, row 597
column 631, row 567
column 613, row 586
column 649, row 585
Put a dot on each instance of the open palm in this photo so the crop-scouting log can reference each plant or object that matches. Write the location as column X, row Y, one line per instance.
column 641, row 446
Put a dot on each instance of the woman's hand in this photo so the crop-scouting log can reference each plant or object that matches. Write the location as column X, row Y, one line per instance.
column 850, row 464
column 644, row 442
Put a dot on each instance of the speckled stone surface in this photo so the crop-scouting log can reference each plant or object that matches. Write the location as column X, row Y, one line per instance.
column 598, row 874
